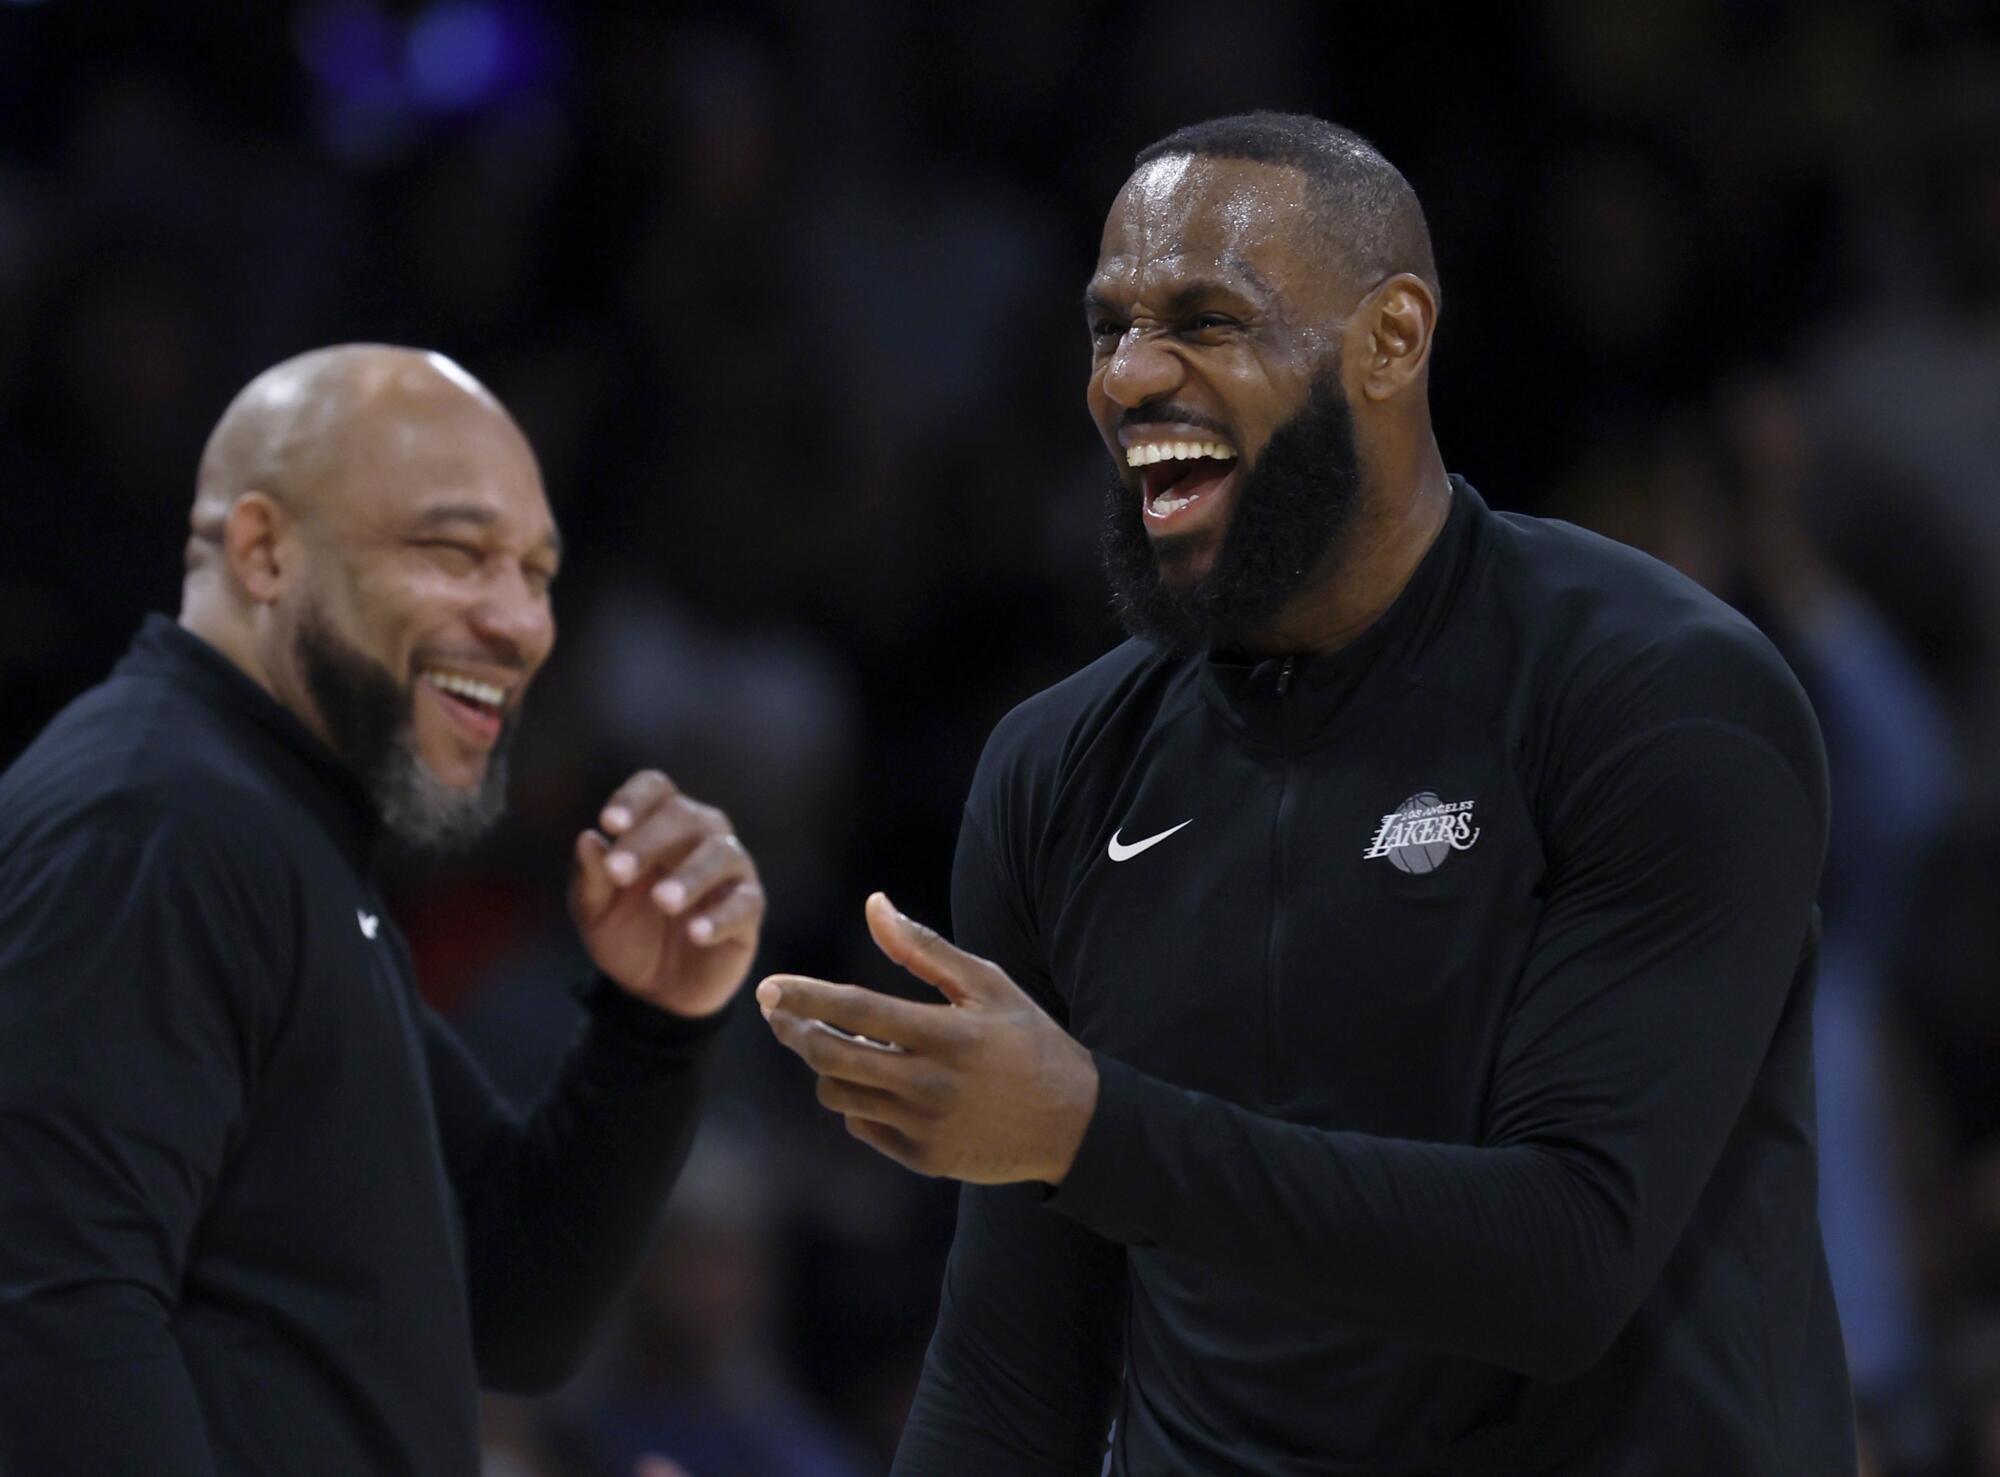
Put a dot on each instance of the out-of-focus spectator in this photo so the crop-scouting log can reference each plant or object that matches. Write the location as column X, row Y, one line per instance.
column 695, row 1374
column 1903, row 385
column 1721, row 494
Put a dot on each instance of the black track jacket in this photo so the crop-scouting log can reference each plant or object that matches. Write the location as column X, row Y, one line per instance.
column 259, row 1211
column 1451, row 1000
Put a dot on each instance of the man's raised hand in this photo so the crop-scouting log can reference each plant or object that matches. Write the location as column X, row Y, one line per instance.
column 985, row 1088
column 666, row 898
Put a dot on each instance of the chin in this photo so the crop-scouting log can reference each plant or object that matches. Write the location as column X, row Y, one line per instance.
column 456, row 778
column 1180, row 570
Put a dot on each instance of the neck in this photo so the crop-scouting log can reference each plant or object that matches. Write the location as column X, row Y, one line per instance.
column 1370, row 565
column 232, row 637
column 210, row 614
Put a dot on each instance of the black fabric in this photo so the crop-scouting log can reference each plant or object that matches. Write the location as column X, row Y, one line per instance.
column 259, row 1210
column 1488, row 1153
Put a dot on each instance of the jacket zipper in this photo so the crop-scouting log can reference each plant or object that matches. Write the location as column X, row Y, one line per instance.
column 1280, row 1088
column 1274, row 949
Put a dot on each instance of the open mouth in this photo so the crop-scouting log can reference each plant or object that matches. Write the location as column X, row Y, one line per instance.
column 1178, row 475
column 478, row 708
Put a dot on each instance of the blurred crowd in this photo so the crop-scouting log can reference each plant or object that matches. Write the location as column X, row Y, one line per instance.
column 786, row 296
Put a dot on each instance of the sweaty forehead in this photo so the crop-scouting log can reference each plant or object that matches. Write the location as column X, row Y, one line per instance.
column 1182, row 217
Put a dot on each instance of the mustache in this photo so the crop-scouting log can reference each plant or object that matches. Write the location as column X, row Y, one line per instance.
column 504, row 657
column 1171, row 415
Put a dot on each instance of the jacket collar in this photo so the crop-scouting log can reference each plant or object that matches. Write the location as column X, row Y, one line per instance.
column 296, row 758
column 1291, row 702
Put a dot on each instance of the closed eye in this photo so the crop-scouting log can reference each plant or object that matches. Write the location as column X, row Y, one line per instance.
column 451, row 555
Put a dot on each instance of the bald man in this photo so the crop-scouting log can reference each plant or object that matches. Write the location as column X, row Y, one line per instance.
column 259, row 1211
column 1377, row 1035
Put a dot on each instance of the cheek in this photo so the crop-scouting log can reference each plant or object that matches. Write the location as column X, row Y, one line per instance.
column 1258, row 396
column 393, row 610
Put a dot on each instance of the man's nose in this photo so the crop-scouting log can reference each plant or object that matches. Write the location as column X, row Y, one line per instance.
column 1141, row 369
column 515, row 615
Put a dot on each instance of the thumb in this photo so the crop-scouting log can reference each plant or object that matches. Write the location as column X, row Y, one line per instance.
column 591, row 889
column 961, row 978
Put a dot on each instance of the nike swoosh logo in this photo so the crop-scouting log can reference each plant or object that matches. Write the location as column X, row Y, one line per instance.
column 1120, row 852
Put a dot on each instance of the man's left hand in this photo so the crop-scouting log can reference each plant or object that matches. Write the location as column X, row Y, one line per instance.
column 986, row 1088
column 666, row 898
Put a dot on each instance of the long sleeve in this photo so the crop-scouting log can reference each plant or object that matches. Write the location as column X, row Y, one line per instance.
column 560, row 1202
column 140, row 963
column 1025, row 1362
column 1676, row 910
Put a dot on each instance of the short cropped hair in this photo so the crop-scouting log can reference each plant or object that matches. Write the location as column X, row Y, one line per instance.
column 1362, row 205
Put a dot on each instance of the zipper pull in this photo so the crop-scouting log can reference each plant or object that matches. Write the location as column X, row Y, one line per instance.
column 1285, row 674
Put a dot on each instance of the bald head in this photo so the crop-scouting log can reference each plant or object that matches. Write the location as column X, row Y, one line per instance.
column 289, row 431
column 1359, row 206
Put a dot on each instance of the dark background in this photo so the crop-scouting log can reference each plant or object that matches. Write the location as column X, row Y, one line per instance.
column 786, row 296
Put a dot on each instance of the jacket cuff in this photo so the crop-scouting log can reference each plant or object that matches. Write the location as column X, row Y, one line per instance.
column 621, row 1019
column 1107, row 1184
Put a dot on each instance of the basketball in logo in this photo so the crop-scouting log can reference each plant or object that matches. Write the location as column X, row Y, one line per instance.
column 1420, row 833
column 1419, row 857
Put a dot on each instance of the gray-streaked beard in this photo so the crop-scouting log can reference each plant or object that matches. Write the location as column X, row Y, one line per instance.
column 422, row 810
column 368, row 717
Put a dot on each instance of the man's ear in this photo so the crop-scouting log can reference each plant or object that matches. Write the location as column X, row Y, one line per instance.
column 259, row 548
column 1394, row 324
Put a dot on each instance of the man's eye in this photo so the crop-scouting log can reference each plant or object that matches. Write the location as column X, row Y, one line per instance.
column 1106, row 329
column 457, row 558
column 1209, row 322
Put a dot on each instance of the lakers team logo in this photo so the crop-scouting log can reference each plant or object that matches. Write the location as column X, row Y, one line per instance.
column 1421, row 832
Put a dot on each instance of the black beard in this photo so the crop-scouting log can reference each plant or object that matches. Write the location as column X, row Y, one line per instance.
column 367, row 715
column 1293, row 505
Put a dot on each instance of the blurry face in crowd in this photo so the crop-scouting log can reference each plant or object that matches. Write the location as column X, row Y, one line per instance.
column 425, row 608
column 1215, row 384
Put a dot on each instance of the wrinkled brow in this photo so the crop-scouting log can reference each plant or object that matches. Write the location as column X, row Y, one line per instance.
column 1188, row 296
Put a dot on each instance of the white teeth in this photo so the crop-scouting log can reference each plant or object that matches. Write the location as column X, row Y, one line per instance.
column 480, row 692
column 1177, row 451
